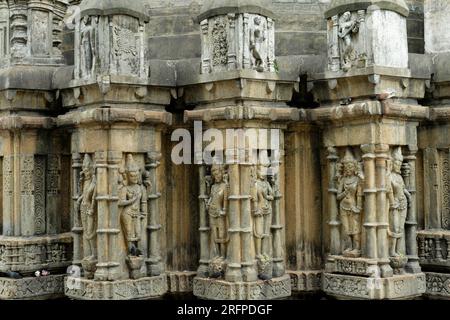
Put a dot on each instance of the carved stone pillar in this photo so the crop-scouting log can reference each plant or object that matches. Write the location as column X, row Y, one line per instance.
column 77, row 228
column 370, row 208
column 411, row 219
column 155, row 265
column 381, row 153
column 204, row 228
column 335, row 234
column 233, row 273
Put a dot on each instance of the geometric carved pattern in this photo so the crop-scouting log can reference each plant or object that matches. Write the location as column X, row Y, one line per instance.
column 445, row 191
column 28, row 288
column 438, row 284
column 39, row 195
column 258, row 290
column 144, row 288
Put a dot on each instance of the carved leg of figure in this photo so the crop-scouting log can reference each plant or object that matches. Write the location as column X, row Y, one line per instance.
column 127, row 222
column 267, row 243
column 137, row 234
column 222, row 233
column 215, row 234
column 356, row 243
column 346, row 228
column 401, row 246
column 258, row 232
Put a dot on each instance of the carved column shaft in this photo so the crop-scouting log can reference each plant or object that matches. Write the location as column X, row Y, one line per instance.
column 431, row 187
column 335, row 235
column 232, row 44
column 206, row 58
column 102, row 198
column 279, row 267
column 77, row 228
column 333, row 44
column 249, row 272
column 382, row 209
column 154, row 264
column 370, row 208
column 411, row 218
column 233, row 272
column 271, row 43
column 204, row 229
column 246, row 53
column 113, row 230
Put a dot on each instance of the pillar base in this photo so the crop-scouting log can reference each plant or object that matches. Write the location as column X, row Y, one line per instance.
column 438, row 285
column 305, row 281
column 398, row 287
column 181, row 282
column 140, row 289
column 32, row 288
column 213, row 289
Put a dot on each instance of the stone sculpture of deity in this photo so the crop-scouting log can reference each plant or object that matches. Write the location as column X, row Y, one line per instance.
column 257, row 39
column 347, row 26
column 87, row 210
column 262, row 198
column 399, row 200
column 88, row 47
column 350, row 197
column 217, row 207
column 132, row 206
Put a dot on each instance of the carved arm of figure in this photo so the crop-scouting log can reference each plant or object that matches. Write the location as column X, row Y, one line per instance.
column 144, row 205
column 393, row 203
column 225, row 201
column 359, row 198
column 408, row 196
column 341, row 194
column 268, row 195
column 123, row 196
column 94, row 192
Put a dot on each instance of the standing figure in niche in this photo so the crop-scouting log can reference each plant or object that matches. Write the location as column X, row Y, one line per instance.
column 257, row 39
column 86, row 208
column 132, row 206
column 88, row 47
column 217, row 207
column 262, row 197
column 348, row 26
column 350, row 197
column 399, row 197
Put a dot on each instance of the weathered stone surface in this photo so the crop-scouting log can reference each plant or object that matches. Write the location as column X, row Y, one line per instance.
column 32, row 288
column 260, row 290
column 144, row 288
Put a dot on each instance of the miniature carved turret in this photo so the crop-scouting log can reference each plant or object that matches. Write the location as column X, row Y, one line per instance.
column 31, row 32
column 237, row 35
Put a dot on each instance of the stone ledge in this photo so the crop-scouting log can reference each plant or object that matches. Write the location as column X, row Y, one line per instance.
column 33, row 288
column 305, row 281
column 213, row 289
column 353, row 287
column 144, row 288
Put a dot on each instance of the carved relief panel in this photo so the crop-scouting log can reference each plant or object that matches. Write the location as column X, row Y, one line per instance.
column 238, row 41
column 123, row 54
column 245, row 219
column 134, row 220
column 370, row 186
column 347, row 41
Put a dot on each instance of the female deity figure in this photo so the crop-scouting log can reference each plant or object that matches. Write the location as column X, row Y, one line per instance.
column 350, row 197
column 87, row 43
column 262, row 197
column 347, row 26
column 217, row 208
column 399, row 198
column 87, row 210
column 132, row 206
column 257, row 38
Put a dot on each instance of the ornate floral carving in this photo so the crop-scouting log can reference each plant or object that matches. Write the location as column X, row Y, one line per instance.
column 219, row 42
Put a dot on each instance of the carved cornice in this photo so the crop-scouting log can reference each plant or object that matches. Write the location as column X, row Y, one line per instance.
column 113, row 115
column 15, row 122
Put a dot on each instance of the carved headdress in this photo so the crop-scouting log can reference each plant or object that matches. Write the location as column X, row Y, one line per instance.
column 87, row 162
column 131, row 165
column 348, row 157
column 397, row 154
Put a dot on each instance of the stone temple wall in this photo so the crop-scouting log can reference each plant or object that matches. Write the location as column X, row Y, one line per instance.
column 96, row 96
